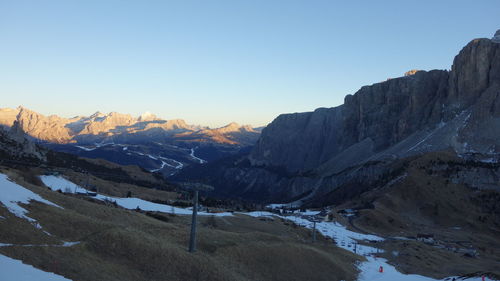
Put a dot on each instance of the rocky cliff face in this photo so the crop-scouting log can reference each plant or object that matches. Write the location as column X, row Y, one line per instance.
column 382, row 115
column 51, row 128
column 423, row 111
column 374, row 118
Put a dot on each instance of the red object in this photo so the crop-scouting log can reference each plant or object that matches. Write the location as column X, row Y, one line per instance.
column 381, row 269
column 483, row 278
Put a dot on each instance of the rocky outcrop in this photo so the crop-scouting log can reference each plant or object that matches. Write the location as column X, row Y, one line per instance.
column 411, row 72
column 496, row 37
column 475, row 73
column 38, row 126
column 15, row 146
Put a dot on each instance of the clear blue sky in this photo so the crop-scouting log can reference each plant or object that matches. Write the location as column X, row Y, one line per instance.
column 212, row 62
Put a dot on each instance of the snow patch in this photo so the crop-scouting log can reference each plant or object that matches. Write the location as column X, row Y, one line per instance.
column 348, row 240
column 196, row 158
column 59, row 183
column 130, row 203
column 178, row 165
column 65, row 244
column 85, row 148
column 134, row 203
column 11, row 269
column 11, row 194
column 70, row 244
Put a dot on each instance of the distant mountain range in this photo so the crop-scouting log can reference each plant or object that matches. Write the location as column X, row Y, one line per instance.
column 148, row 141
column 100, row 128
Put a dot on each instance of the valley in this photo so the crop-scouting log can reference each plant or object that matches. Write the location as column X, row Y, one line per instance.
column 399, row 180
column 147, row 141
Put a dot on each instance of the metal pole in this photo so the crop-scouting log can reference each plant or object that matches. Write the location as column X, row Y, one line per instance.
column 192, row 240
column 87, row 183
column 314, row 231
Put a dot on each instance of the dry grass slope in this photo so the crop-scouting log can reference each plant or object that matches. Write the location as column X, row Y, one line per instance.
column 428, row 202
column 118, row 244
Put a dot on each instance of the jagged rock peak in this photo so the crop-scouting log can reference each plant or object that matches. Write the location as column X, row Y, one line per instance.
column 147, row 116
column 496, row 37
column 179, row 122
column 232, row 125
column 97, row 114
column 235, row 127
column 17, row 133
column 412, row 72
column 26, row 147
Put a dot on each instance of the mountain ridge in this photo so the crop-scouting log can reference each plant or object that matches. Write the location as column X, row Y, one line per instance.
column 312, row 153
column 98, row 126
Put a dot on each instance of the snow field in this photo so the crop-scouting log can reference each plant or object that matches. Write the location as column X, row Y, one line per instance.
column 131, row 203
column 16, row 270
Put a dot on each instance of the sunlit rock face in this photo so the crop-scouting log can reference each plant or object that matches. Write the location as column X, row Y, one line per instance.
column 118, row 127
column 8, row 116
column 163, row 146
column 411, row 72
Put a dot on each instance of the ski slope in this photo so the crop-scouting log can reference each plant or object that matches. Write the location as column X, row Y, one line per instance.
column 348, row 240
column 131, row 203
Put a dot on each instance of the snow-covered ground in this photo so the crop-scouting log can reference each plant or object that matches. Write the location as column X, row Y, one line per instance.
column 348, row 240
column 16, row 270
column 11, row 194
column 85, row 148
column 134, row 203
column 97, row 145
column 178, row 165
column 196, row 158
column 56, row 182
column 64, row 244
column 279, row 206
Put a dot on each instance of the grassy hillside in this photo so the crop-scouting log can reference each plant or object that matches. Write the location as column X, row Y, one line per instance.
column 429, row 197
column 119, row 244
